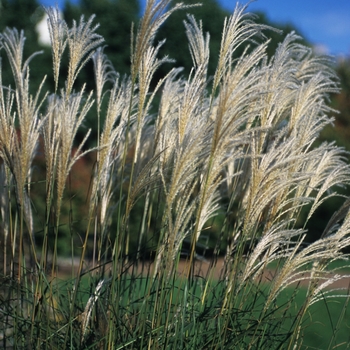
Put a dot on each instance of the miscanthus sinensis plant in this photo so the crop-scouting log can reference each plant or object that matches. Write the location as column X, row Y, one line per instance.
column 239, row 146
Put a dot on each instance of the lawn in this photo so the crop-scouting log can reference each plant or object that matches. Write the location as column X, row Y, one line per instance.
column 325, row 326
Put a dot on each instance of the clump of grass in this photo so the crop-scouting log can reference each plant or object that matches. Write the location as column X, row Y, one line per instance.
column 240, row 146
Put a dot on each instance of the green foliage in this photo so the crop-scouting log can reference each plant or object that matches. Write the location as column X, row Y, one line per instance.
column 114, row 18
column 341, row 103
column 25, row 15
column 212, row 17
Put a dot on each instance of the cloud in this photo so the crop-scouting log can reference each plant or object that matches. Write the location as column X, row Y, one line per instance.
column 321, row 49
column 329, row 31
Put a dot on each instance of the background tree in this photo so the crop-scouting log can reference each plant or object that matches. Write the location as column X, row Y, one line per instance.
column 115, row 18
column 212, row 15
column 341, row 102
column 25, row 15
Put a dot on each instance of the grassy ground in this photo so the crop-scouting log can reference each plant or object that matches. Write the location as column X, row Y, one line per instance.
column 321, row 327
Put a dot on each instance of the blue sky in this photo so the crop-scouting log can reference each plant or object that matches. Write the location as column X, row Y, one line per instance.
column 326, row 23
